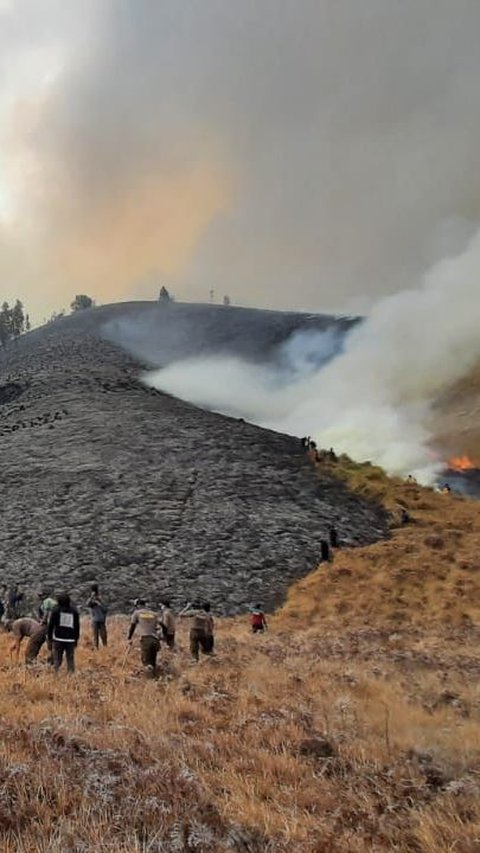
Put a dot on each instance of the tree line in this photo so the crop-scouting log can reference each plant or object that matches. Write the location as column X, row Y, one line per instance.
column 13, row 322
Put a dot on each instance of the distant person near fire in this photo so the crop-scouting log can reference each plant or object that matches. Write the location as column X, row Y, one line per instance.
column 333, row 536
column 325, row 552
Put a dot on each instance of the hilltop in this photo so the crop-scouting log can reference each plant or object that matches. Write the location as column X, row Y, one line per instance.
column 104, row 478
column 158, row 334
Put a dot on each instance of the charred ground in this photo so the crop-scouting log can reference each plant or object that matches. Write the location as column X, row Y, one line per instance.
column 103, row 478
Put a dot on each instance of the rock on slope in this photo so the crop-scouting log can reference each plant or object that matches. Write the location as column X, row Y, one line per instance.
column 103, row 478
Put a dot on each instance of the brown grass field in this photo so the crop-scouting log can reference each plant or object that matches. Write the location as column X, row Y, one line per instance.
column 352, row 725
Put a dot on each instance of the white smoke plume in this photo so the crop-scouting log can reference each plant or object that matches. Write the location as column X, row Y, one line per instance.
column 373, row 400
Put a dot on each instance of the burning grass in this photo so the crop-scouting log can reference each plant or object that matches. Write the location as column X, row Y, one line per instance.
column 353, row 725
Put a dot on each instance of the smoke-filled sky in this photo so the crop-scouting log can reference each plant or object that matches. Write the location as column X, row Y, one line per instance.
column 310, row 154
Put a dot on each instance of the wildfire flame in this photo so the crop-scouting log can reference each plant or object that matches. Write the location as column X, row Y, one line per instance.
column 460, row 463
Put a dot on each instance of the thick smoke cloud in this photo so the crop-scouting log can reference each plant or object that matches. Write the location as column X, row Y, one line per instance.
column 310, row 154
column 374, row 399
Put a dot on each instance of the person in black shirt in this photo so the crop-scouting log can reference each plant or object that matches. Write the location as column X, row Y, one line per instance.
column 325, row 552
column 333, row 536
column 64, row 632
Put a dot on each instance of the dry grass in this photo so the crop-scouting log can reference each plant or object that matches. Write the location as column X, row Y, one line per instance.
column 427, row 573
column 308, row 743
column 353, row 725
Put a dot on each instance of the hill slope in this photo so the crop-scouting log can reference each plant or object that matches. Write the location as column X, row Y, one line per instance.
column 456, row 418
column 104, row 478
column 350, row 726
column 425, row 575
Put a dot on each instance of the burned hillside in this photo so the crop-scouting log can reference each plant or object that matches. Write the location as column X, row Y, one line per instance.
column 104, row 478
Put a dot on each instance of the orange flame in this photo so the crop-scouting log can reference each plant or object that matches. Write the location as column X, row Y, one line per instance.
column 460, row 463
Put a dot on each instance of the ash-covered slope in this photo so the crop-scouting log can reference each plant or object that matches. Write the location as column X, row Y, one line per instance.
column 103, row 478
column 159, row 334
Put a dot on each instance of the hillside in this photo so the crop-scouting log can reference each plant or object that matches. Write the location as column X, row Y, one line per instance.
column 159, row 334
column 456, row 418
column 345, row 729
column 103, row 478
column 425, row 575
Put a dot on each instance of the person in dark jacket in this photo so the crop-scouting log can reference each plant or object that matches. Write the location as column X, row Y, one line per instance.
column 333, row 536
column 64, row 631
column 13, row 602
column 325, row 552
column 98, row 610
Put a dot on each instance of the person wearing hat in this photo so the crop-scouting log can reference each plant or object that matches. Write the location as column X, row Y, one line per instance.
column 149, row 627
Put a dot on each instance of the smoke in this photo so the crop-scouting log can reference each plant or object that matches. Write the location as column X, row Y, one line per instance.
column 372, row 400
column 310, row 154
column 262, row 393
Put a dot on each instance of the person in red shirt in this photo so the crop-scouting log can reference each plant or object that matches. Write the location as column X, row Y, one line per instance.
column 257, row 620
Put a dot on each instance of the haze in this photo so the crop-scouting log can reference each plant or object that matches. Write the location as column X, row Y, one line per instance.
column 302, row 154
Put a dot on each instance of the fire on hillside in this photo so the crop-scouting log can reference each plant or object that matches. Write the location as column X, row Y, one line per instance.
column 460, row 463
column 463, row 476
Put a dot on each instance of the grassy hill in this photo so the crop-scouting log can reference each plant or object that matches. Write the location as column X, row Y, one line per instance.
column 352, row 725
column 427, row 573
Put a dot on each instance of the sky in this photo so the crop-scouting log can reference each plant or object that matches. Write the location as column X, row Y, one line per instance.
column 299, row 154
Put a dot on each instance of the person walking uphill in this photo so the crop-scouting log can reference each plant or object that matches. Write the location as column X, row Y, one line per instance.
column 258, row 621
column 64, row 631
column 333, row 536
column 168, row 625
column 201, row 632
column 149, row 626
column 98, row 612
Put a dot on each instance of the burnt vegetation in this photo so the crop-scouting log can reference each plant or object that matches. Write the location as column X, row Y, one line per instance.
column 104, row 476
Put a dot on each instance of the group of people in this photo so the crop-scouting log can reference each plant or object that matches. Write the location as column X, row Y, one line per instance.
column 319, row 455
column 57, row 623
column 153, row 627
